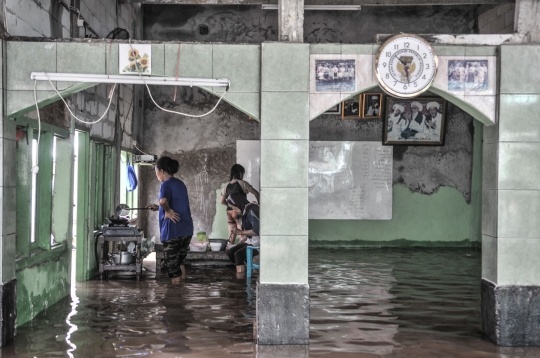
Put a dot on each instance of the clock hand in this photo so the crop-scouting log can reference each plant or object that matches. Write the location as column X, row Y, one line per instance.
column 407, row 73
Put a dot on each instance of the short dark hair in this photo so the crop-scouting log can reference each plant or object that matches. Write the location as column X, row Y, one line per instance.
column 237, row 172
column 168, row 165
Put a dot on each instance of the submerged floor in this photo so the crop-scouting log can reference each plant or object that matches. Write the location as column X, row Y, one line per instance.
column 364, row 303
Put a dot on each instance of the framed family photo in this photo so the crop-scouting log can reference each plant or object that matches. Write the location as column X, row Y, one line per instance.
column 372, row 105
column 335, row 75
column 416, row 121
column 350, row 108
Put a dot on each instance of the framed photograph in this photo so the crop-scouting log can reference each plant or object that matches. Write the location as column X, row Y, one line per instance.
column 372, row 104
column 335, row 75
column 350, row 108
column 468, row 75
column 334, row 110
column 134, row 59
column 415, row 121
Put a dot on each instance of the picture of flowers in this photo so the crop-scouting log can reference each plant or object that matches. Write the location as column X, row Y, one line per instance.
column 135, row 59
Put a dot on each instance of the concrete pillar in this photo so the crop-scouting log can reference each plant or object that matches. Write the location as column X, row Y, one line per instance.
column 283, row 290
column 511, row 205
column 291, row 20
column 8, row 310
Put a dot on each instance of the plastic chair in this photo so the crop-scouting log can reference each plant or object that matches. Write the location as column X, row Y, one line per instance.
column 249, row 261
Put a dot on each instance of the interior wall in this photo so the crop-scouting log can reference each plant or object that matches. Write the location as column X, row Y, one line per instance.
column 205, row 148
column 251, row 24
column 436, row 190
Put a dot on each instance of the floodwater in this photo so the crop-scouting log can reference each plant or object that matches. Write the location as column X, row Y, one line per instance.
column 364, row 303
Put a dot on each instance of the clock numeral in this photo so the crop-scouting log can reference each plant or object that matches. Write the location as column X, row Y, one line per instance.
column 415, row 84
column 407, row 45
column 384, row 64
column 405, row 87
column 396, row 47
column 387, row 76
column 389, row 54
column 395, row 83
column 424, row 77
column 424, row 55
column 427, row 66
column 418, row 47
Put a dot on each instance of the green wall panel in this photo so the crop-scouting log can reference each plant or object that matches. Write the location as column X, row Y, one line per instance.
column 440, row 219
column 39, row 287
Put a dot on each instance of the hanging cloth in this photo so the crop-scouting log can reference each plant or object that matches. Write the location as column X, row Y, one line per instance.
column 131, row 178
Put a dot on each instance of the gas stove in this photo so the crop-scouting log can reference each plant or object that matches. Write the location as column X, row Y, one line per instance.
column 117, row 230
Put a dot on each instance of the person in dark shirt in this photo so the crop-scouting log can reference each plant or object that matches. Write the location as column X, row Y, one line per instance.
column 239, row 186
column 175, row 222
column 249, row 217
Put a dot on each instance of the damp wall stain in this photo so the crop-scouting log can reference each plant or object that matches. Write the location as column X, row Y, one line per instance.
column 205, row 148
column 251, row 24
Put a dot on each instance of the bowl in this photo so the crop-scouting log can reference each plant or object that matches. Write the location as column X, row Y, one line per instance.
column 222, row 242
column 215, row 246
column 198, row 246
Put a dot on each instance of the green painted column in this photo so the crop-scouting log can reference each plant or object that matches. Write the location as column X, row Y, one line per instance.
column 511, row 205
column 283, row 290
column 8, row 218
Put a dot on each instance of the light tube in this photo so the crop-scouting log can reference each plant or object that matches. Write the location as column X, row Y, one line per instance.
column 127, row 79
column 317, row 7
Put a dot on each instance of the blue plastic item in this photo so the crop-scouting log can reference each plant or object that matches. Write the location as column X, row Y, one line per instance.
column 131, row 177
column 249, row 258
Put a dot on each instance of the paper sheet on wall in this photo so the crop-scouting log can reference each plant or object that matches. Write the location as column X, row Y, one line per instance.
column 350, row 180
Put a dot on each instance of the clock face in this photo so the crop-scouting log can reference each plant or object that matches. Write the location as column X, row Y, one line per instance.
column 405, row 65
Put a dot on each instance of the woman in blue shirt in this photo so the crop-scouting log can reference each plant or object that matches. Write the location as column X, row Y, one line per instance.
column 175, row 222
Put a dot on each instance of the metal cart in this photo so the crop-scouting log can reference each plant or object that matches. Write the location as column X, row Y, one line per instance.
column 119, row 234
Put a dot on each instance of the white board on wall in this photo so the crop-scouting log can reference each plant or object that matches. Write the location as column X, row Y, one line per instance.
column 350, row 180
column 248, row 155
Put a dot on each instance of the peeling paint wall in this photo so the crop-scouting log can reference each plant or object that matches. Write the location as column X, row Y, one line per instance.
column 251, row 24
column 205, row 148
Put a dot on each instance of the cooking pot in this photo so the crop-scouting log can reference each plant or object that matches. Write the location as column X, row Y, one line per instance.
column 117, row 220
column 122, row 258
column 222, row 242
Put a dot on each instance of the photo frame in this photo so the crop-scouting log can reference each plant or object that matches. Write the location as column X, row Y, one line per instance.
column 351, row 107
column 334, row 110
column 372, row 105
column 407, row 124
column 335, row 75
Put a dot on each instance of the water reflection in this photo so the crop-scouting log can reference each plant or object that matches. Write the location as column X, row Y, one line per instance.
column 364, row 303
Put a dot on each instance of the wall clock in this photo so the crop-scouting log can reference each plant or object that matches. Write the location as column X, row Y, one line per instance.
column 405, row 65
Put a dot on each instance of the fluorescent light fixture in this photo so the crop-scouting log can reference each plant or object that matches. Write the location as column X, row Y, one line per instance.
column 127, row 79
column 317, row 7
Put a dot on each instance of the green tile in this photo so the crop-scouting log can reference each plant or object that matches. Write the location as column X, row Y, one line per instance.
column 357, row 49
column 195, row 60
column 9, row 170
column 325, row 48
column 517, row 73
column 241, row 64
column 284, row 163
column 88, row 58
column 23, row 58
column 278, row 204
column 445, row 50
column 248, row 103
column 481, row 51
column 284, row 259
column 9, row 202
column 158, row 60
column 23, row 101
column 518, row 214
column 518, row 262
column 490, row 160
column 489, row 258
column 8, row 257
column 285, row 67
column 491, row 133
column 516, row 122
column 8, row 128
column 111, row 59
column 285, row 115
column 518, row 166
column 489, row 212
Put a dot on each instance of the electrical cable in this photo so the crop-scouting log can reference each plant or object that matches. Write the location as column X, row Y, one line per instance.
column 35, row 168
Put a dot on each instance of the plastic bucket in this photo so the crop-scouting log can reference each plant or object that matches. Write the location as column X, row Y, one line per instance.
column 201, row 236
